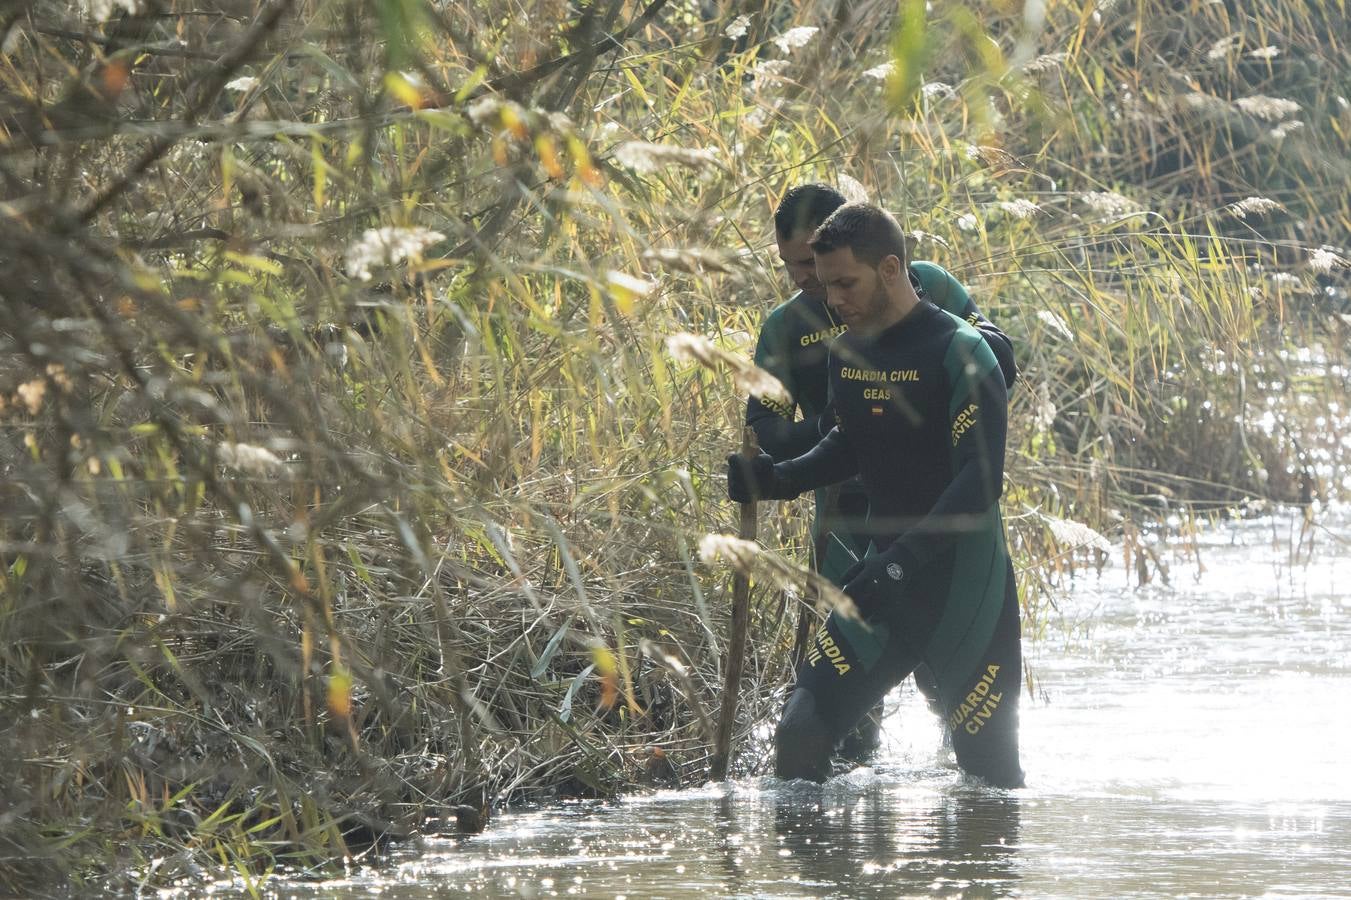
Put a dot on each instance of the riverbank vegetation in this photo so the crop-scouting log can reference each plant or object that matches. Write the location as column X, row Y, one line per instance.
column 348, row 474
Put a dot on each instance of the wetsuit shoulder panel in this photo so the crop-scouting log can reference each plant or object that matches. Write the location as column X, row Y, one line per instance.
column 791, row 347
column 943, row 290
column 949, row 295
column 968, row 362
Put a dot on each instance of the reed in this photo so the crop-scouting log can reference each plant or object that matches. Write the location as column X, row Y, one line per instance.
column 348, row 477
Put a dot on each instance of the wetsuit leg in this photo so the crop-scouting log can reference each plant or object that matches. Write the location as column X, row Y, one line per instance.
column 803, row 741
column 840, row 543
column 838, row 550
column 863, row 742
column 848, row 668
column 981, row 712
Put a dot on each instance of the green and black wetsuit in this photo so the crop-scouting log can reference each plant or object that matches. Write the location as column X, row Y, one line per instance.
column 793, row 347
column 921, row 415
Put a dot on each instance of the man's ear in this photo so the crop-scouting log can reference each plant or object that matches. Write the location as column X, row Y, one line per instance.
column 890, row 268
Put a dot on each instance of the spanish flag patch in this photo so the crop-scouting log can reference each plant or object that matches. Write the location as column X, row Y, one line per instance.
column 877, row 410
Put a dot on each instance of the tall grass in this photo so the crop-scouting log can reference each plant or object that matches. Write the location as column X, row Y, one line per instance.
column 295, row 560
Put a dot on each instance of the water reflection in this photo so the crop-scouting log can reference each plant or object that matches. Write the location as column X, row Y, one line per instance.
column 883, row 842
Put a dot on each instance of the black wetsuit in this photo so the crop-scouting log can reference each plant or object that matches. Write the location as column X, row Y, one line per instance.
column 921, row 413
column 793, row 345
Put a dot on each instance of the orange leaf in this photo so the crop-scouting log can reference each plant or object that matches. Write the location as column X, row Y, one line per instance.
column 114, row 78
column 609, row 691
column 548, row 155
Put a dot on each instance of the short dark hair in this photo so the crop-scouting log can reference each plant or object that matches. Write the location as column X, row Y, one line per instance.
column 870, row 231
column 805, row 207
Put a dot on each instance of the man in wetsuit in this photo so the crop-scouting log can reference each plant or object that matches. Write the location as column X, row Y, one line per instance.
column 792, row 346
column 920, row 411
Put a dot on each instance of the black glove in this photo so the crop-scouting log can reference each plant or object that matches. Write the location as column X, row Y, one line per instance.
column 750, row 479
column 873, row 583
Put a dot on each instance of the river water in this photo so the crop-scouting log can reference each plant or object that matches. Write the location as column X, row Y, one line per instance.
column 1183, row 740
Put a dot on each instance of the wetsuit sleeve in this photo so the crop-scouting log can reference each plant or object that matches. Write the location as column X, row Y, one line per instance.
column 1000, row 345
column 949, row 294
column 777, row 433
column 830, row 461
column 978, row 413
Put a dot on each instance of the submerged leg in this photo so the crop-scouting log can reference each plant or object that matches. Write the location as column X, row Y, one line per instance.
column 803, row 741
column 863, row 742
column 848, row 668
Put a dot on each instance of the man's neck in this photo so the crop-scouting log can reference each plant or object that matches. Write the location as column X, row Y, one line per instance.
column 901, row 302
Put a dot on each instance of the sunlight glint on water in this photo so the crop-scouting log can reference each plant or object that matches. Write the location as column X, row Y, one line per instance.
column 1185, row 740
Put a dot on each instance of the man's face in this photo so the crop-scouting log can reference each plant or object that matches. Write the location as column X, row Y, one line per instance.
column 800, row 262
column 853, row 288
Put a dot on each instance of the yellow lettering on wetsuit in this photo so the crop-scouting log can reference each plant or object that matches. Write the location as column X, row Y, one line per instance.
column 825, row 646
column 816, row 337
column 777, row 406
column 880, row 376
column 876, row 394
column 965, row 419
column 979, row 705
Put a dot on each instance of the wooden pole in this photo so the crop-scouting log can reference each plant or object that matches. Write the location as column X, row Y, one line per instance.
column 736, row 646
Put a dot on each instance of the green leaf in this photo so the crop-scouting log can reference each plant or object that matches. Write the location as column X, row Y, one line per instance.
column 910, row 51
column 358, row 566
column 257, row 263
column 404, row 25
column 445, row 120
column 550, row 649
column 565, row 708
